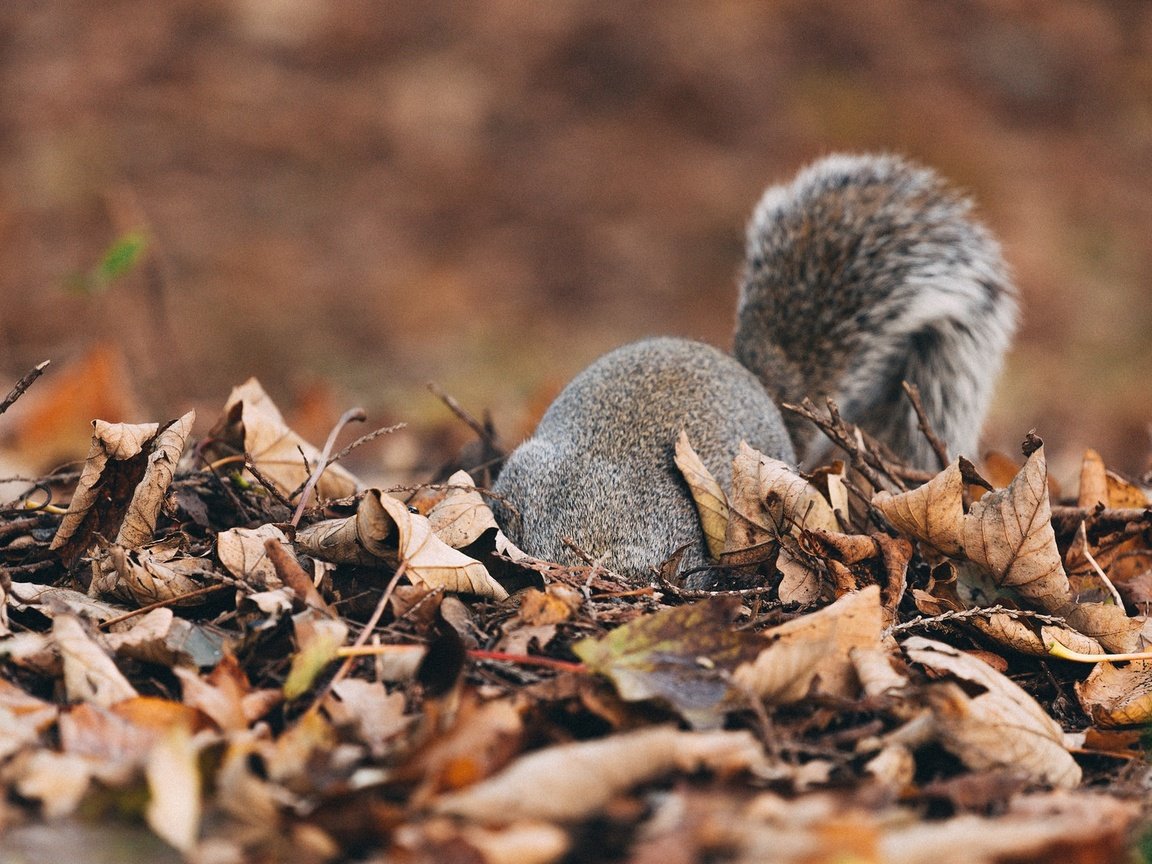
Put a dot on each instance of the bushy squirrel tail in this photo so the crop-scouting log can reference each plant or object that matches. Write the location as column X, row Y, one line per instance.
column 865, row 271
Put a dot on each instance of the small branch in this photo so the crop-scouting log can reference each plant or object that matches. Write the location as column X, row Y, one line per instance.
column 369, row 626
column 322, row 463
column 482, row 430
column 1060, row 651
column 530, row 660
column 938, row 446
column 967, row 614
column 23, row 384
column 160, row 604
column 1066, row 520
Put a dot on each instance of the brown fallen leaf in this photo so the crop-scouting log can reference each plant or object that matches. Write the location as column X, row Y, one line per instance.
column 932, row 513
column 115, row 463
column 681, row 656
column 172, row 771
column 252, row 424
column 1001, row 727
column 569, row 782
column 90, row 675
column 243, row 554
column 1009, row 532
column 769, row 497
column 1118, row 695
column 383, row 527
column 711, row 502
column 816, row 650
column 462, row 515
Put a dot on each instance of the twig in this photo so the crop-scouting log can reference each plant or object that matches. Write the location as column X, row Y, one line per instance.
column 160, row 604
column 1066, row 520
column 482, row 430
column 322, row 463
column 23, row 384
column 369, row 626
column 269, row 487
column 364, row 439
column 966, row 614
column 938, row 446
column 1082, row 537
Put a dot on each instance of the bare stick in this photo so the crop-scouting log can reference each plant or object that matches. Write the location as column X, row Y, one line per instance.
column 322, row 463
column 481, row 429
column 22, row 385
column 938, row 446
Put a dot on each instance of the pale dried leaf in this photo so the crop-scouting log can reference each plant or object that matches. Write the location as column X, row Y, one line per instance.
column 1093, row 481
column 173, row 774
column 241, row 551
column 1023, row 636
column 89, row 673
column 57, row 780
column 875, row 671
column 767, row 497
column 569, row 782
column 932, row 513
column 147, row 499
column 462, row 515
column 1002, row 727
column 1118, row 695
column 148, row 576
column 852, row 622
column 275, row 449
column 799, row 581
column 110, row 441
column 711, row 502
column 377, row 715
column 518, row 843
column 338, row 540
column 430, row 561
column 1009, row 532
column 48, row 600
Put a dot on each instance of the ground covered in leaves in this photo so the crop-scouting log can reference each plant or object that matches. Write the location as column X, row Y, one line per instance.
column 215, row 652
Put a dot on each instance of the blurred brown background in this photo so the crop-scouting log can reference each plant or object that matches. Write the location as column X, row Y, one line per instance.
column 348, row 198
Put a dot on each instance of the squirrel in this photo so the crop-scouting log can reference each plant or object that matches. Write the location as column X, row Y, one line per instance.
column 863, row 272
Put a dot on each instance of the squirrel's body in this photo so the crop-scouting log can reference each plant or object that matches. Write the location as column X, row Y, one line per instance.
column 863, row 272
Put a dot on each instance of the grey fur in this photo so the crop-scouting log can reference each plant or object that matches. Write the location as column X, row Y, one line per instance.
column 864, row 271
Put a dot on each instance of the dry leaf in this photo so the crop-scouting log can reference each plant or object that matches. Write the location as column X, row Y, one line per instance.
column 89, row 673
column 826, row 639
column 711, row 502
column 241, row 551
column 115, row 464
column 1002, row 727
column 173, row 774
column 253, row 424
column 1009, row 532
column 569, row 782
column 932, row 513
column 682, row 656
column 1118, row 695
column 462, row 515
column 150, row 575
column 769, row 497
column 430, row 561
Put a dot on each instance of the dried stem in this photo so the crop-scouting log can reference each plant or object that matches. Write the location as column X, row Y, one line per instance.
column 23, row 384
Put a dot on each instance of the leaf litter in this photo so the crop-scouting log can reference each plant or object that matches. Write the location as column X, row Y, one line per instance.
column 942, row 673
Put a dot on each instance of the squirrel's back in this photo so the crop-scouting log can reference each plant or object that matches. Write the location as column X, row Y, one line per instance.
column 866, row 271
column 598, row 473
